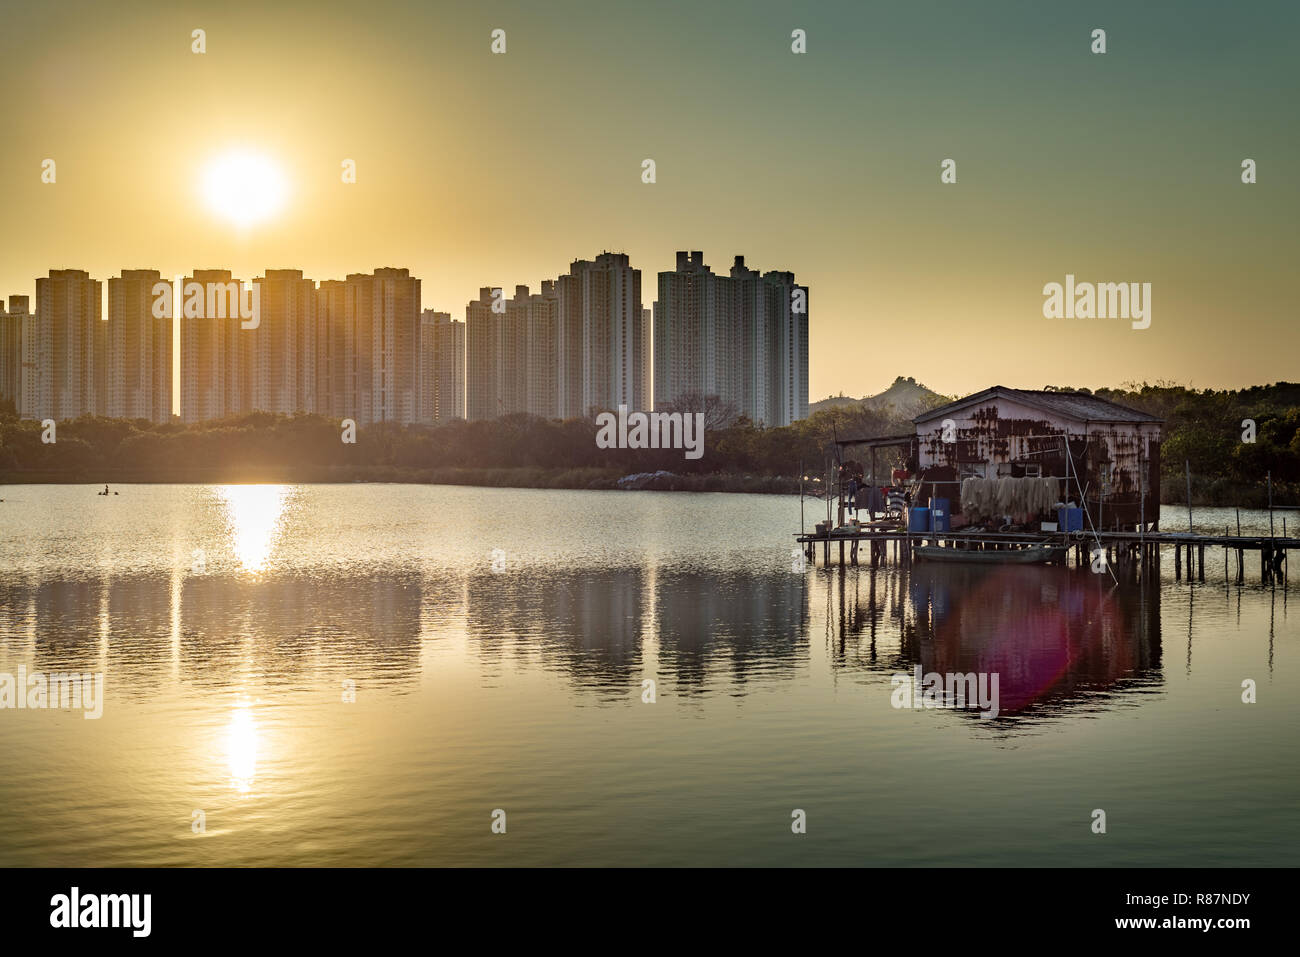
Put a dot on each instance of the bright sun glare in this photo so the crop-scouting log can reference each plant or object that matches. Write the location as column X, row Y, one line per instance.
column 244, row 188
column 255, row 514
column 241, row 748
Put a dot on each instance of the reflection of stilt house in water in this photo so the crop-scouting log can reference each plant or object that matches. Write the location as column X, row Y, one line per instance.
column 1107, row 455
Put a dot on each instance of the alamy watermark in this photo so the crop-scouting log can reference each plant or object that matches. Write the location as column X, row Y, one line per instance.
column 75, row 909
column 226, row 299
column 1104, row 300
column 41, row 691
column 933, row 690
column 652, row 430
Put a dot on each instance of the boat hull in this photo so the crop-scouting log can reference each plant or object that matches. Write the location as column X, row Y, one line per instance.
column 1034, row 555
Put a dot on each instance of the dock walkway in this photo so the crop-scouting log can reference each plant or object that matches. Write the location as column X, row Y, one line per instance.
column 1128, row 550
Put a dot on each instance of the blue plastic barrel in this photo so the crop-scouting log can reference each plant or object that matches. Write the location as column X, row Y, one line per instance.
column 918, row 519
column 1069, row 519
column 940, row 519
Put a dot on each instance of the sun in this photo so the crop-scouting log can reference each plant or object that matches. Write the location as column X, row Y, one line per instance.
column 244, row 188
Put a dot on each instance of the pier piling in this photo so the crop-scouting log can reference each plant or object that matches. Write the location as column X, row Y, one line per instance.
column 1135, row 554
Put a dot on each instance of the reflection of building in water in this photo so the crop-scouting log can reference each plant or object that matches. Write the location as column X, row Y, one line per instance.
column 585, row 622
column 66, row 613
column 1055, row 636
column 303, row 624
column 230, row 626
column 591, row 623
column 138, row 614
column 745, row 622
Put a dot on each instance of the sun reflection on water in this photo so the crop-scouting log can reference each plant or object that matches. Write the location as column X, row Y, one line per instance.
column 241, row 748
column 255, row 514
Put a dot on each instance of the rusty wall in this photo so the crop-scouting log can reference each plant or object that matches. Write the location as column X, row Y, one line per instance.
column 1112, row 473
column 1002, row 437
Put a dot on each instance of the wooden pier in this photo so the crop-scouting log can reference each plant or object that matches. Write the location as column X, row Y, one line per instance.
column 1124, row 551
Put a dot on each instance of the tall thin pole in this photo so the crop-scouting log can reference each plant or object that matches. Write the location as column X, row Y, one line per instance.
column 1270, row 505
column 801, row 497
column 1101, row 498
column 1187, row 468
column 1142, row 501
column 1272, row 549
column 839, row 478
column 1142, row 519
column 828, row 493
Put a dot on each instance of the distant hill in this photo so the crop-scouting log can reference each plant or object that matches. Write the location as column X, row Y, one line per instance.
column 906, row 395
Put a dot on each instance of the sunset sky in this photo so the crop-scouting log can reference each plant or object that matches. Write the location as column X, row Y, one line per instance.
column 476, row 169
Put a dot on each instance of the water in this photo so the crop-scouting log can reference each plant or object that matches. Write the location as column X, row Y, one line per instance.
column 227, row 620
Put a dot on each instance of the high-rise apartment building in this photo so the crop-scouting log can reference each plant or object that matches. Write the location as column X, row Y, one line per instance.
column 139, row 349
column 451, row 371
column 743, row 338
column 685, row 319
column 600, row 336
column 512, row 353
column 442, row 368
column 355, row 329
column 12, row 321
column 647, row 357
column 395, row 330
column 495, row 332
column 611, row 334
column 569, row 320
column 215, row 347
column 282, row 350
column 61, row 343
column 334, row 360
column 427, row 393
column 786, row 378
column 367, row 347
column 480, row 349
column 539, row 315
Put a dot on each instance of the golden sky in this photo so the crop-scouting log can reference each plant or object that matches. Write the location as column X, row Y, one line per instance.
column 477, row 169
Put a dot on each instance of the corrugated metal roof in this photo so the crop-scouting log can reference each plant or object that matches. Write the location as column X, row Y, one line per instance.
column 1074, row 405
column 879, row 441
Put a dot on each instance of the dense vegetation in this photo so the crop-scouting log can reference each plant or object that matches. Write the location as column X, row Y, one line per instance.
column 1203, row 427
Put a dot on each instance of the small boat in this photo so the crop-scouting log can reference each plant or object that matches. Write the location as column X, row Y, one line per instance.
column 1033, row 555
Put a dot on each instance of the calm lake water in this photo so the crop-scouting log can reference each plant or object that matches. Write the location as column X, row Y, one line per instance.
column 498, row 641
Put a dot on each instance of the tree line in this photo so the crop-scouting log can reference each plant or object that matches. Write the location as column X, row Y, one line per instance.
column 1202, row 427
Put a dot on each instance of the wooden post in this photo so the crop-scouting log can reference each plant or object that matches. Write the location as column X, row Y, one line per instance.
column 871, row 497
column 1270, row 505
column 827, row 490
column 1142, row 502
column 1272, row 545
column 1178, row 562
